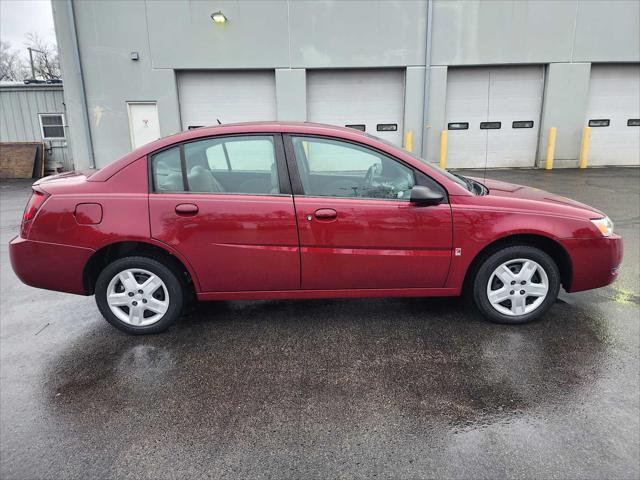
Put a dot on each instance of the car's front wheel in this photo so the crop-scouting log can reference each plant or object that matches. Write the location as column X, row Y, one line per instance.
column 517, row 284
column 139, row 295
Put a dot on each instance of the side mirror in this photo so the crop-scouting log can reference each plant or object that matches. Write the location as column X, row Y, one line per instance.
column 422, row 196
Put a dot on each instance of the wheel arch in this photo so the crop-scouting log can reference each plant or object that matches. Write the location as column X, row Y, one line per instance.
column 113, row 251
column 548, row 245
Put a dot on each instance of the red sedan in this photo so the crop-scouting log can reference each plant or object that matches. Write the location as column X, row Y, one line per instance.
column 298, row 210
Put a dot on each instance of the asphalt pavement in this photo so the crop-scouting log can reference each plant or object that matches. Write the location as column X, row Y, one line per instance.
column 364, row 388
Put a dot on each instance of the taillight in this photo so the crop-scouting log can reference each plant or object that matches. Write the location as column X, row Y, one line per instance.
column 33, row 205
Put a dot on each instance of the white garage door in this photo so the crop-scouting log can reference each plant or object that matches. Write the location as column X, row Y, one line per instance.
column 493, row 116
column 230, row 97
column 370, row 100
column 614, row 115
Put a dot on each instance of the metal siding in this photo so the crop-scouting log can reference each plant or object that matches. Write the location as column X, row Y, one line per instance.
column 5, row 124
column 28, row 104
column 19, row 122
column 14, row 117
column 32, row 123
column 22, row 127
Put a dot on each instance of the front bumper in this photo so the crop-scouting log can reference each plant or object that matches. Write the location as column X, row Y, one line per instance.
column 49, row 265
column 595, row 261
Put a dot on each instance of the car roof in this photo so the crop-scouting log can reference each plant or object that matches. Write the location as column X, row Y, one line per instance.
column 278, row 124
column 271, row 127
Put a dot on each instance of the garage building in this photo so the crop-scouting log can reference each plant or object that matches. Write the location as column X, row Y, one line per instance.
column 495, row 75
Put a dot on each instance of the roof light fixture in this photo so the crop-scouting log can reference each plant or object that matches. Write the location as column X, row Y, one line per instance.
column 218, row 17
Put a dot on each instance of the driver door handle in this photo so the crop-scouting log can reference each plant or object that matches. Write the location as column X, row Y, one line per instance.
column 186, row 209
column 326, row 214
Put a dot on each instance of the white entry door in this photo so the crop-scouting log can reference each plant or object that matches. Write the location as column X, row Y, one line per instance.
column 144, row 126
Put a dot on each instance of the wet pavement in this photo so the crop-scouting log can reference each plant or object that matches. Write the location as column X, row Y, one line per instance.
column 384, row 388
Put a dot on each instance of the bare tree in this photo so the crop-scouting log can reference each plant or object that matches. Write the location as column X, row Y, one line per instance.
column 12, row 68
column 46, row 63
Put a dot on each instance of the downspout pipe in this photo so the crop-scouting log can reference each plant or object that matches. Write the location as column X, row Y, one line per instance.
column 427, row 80
column 83, row 94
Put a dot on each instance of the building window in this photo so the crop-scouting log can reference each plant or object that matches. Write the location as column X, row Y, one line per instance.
column 522, row 124
column 490, row 125
column 52, row 126
column 599, row 123
column 458, row 126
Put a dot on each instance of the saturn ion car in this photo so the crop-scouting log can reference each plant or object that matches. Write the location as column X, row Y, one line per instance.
column 299, row 210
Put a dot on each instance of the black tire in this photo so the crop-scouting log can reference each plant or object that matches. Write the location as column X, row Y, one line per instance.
column 493, row 261
column 174, row 286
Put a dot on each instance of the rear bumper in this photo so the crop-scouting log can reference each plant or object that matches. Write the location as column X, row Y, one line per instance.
column 49, row 265
column 595, row 261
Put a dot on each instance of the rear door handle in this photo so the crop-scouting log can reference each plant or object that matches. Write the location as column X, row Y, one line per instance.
column 186, row 209
column 326, row 214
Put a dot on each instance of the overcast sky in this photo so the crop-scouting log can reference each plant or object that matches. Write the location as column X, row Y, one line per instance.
column 18, row 17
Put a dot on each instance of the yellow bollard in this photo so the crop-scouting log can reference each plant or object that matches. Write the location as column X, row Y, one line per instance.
column 443, row 149
column 551, row 148
column 584, row 150
column 408, row 141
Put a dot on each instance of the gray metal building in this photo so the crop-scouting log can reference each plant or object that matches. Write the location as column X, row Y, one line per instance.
column 497, row 75
column 36, row 113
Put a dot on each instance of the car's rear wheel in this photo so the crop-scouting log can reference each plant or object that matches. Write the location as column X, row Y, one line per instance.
column 517, row 284
column 139, row 295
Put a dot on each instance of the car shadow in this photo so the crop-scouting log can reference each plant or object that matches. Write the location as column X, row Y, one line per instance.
column 410, row 360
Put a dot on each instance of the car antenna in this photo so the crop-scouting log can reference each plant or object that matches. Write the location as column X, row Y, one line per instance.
column 219, row 122
column 484, row 174
column 486, row 160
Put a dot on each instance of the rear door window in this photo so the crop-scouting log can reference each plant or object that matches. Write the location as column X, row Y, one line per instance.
column 246, row 154
column 167, row 172
column 240, row 164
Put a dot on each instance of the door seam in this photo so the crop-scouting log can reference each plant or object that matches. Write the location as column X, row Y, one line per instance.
column 295, row 210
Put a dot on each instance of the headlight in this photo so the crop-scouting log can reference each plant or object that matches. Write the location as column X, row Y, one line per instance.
column 605, row 225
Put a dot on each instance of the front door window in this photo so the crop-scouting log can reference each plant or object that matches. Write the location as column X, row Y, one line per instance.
column 331, row 168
